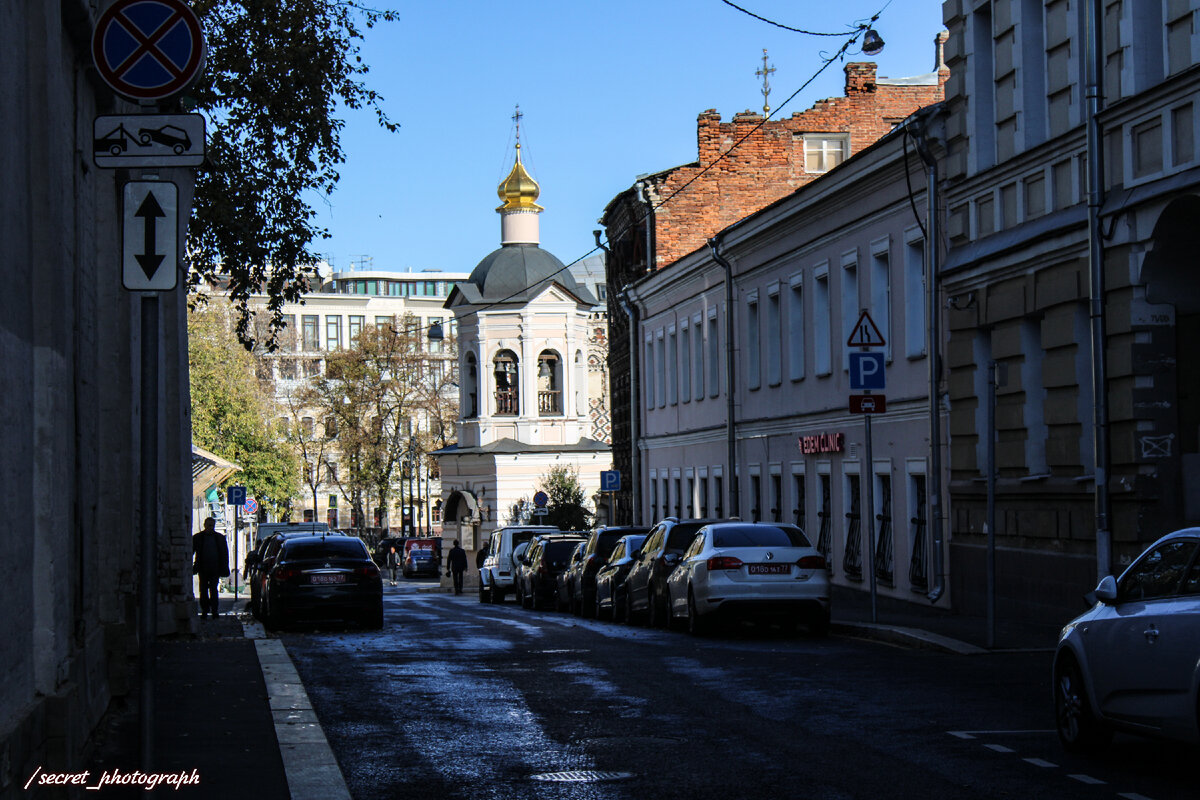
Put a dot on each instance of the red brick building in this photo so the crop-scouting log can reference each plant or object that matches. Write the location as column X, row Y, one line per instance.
column 668, row 214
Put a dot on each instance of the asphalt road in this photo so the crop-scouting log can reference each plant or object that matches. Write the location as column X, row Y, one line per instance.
column 454, row 699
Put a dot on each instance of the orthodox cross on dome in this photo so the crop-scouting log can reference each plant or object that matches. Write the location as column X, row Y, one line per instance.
column 517, row 119
column 765, row 74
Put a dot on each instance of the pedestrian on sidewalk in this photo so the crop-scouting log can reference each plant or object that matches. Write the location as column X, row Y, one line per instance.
column 457, row 561
column 481, row 557
column 393, row 562
column 210, row 550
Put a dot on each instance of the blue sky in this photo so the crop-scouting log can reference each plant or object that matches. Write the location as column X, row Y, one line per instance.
column 608, row 90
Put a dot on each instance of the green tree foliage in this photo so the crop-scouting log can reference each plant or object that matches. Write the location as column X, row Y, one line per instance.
column 232, row 412
column 275, row 75
column 565, row 506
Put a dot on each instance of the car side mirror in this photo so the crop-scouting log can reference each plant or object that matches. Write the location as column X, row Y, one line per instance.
column 1106, row 591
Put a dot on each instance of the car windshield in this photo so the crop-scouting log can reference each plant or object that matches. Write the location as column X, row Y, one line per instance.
column 633, row 543
column 325, row 548
column 759, row 536
column 607, row 540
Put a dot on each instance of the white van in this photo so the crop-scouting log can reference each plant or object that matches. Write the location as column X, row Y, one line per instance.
column 496, row 574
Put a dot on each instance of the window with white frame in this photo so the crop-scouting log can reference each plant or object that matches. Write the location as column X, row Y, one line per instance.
column 850, row 302
column 333, row 332
column 660, row 375
column 685, row 364
column 821, row 321
column 914, row 298
column 753, row 357
column 714, row 357
column 796, row 329
column 672, row 368
column 650, row 374
column 824, row 151
column 774, row 339
column 881, row 293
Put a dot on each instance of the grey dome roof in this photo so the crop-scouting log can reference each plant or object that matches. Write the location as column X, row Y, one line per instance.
column 517, row 272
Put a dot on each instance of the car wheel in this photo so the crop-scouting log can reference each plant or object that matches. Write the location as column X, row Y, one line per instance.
column 271, row 619
column 618, row 607
column 630, row 617
column 526, row 600
column 697, row 625
column 495, row 595
column 374, row 619
column 483, row 593
column 1078, row 729
column 597, row 611
column 654, row 610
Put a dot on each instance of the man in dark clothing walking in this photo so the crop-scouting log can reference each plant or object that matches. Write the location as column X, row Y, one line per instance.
column 457, row 561
column 393, row 563
column 211, row 552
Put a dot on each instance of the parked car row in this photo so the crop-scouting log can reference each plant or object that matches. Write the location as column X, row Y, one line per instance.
column 692, row 572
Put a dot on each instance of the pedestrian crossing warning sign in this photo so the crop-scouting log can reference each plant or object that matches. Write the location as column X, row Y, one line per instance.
column 865, row 333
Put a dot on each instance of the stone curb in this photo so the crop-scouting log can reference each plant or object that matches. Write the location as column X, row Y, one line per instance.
column 906, row 637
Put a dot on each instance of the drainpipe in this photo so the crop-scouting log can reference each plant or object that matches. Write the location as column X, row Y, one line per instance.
column 634, row 467
column 1095, row 166
column 714, row 244
column 934, row 324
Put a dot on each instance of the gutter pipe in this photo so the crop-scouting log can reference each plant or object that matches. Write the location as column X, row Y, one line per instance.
column 919, row 134
column 714, row 244
column 634, row 466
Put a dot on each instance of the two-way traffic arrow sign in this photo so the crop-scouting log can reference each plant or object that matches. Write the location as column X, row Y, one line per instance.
column 150, row 237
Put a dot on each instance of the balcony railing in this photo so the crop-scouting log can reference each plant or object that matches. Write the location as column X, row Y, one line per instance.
column 549, row 402
column 507, row 403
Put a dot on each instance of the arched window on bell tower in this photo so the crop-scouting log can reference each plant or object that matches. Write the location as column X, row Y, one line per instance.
column 472, row 387
column 549, row 384
column 507, row 373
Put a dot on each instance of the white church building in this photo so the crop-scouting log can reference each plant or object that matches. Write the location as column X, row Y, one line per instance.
column 523, row 326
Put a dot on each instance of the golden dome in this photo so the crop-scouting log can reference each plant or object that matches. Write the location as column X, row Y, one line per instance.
column 519, row 190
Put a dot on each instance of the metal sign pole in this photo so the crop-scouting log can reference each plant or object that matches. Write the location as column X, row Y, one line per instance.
column 148, row 596
column 237, row 536
column 870, row 515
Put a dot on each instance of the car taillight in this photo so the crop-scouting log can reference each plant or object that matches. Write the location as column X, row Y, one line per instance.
column 371, row 571
column 811, row 562
column 724, row 562
column 285, row 573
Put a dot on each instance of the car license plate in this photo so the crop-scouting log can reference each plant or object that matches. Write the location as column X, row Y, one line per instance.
column 337, row 578
column 770, row 569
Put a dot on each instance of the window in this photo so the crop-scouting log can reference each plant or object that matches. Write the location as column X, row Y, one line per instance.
column 653, row 497
column 507, row 376
column 666, row 497
column 1159, row 573
column 333, row 332
column 756, row 498
column 881, row 294
column 714, row 359
column 776, row 497
column 914, row 298
column 311, row 332
column 753, row 356
column 719, row 495
column 672, row 368
column 649, row 377
column 355, row 327
column 691, row 497
column 287, row 369
column 796, row 329
column 383, row 322
column 774, row 340
column 660, row 375
column 821, row 322
column 824, row 151
column 703, row 511
column 798, row 501
column 698, row 360
column 549, row 384
column 850, row 303
column 287, row 336
column 685, row 364
column 678, row 499
column 472, row 387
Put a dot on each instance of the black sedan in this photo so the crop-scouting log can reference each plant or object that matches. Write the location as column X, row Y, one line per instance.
column 323, row 577
column 610, row 580
column 581, row 577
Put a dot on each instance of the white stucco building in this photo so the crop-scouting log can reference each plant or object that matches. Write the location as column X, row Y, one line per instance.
column 527, row 332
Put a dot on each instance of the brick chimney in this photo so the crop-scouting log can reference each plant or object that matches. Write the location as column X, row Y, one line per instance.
column 860, row 77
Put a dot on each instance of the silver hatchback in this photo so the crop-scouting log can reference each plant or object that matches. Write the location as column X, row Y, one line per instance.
column 1132, row 662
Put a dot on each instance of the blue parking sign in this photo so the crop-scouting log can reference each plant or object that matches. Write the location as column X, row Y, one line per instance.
column 610, row 480
column 866, row 372
column 236, row 495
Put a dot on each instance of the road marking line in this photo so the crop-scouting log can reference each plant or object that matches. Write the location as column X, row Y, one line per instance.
column 993, row 733
column 1037, row 762
column 960, row 734
column 999, row 748
column 1088, row 779
column 1133, row 796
